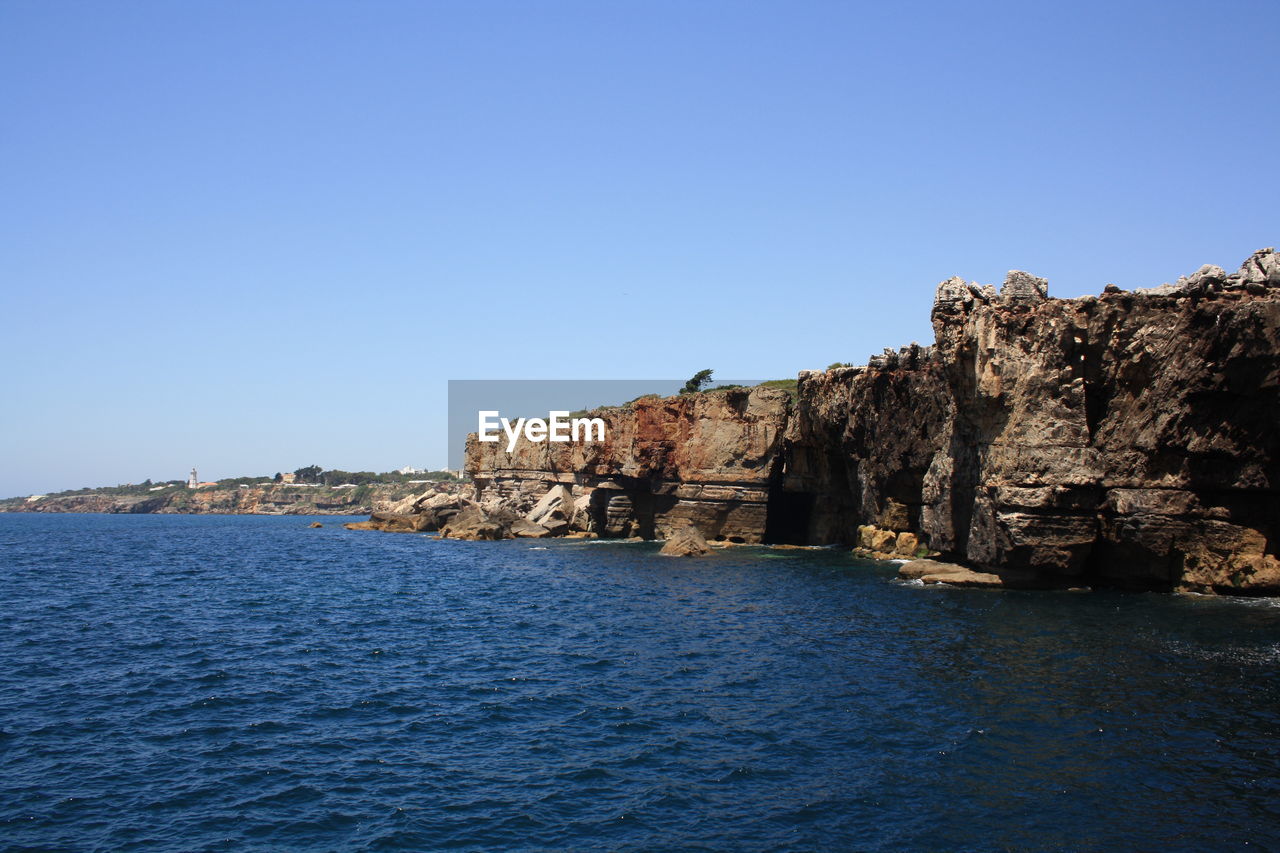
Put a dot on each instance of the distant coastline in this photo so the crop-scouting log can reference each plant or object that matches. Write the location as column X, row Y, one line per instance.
column 336, row 493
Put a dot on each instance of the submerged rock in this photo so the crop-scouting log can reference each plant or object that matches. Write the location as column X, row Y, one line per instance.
column 934, row 571
column 389, row 522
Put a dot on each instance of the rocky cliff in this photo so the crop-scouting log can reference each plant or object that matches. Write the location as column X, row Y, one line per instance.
column 706, row 459
column 1127, row 439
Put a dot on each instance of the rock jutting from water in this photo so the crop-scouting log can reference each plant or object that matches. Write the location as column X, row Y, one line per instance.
column 1127, row 440
column 686, row 542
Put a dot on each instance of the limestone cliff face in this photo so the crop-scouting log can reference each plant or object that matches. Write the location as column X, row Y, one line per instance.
column 1130, row 439
column 708, row 459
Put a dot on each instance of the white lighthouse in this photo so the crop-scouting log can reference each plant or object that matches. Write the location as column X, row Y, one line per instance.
column 193, row 481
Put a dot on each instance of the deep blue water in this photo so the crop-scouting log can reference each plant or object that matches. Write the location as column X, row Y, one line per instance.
column 222, row 682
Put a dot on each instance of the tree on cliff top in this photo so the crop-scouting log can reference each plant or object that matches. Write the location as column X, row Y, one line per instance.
column 309, row 474
column 700, row 380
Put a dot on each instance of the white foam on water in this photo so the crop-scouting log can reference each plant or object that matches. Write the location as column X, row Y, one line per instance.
column 1231, row 654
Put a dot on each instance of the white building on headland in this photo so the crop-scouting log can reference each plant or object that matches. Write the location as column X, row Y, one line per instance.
column 193, row 482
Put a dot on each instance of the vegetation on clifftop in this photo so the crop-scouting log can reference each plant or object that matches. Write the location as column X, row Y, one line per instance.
column 791, row 386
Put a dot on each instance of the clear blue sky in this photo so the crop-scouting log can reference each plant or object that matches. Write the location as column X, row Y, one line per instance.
column 251, row 236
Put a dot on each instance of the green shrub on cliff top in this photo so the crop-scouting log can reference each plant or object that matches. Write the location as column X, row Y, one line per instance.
column 697, row 382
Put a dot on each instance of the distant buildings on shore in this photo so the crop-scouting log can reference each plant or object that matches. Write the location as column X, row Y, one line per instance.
column 291, row 479
column 193, row 482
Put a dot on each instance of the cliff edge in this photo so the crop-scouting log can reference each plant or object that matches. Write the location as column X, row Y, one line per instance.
column 1128, row 439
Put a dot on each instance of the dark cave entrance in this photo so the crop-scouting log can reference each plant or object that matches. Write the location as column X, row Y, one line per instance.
column 789, row 513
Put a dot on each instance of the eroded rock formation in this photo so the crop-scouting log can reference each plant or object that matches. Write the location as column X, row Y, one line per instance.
column 1129, row 439
column 704, row 459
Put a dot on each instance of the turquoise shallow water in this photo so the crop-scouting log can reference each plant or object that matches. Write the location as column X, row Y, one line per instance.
column 232, row 683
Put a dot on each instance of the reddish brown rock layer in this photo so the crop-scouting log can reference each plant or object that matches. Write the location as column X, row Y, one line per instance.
column 705, row 459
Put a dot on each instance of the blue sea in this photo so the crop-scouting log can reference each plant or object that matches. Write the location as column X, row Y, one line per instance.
column 186, row 683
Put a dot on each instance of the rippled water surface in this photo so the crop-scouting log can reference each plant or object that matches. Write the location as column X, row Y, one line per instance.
column 220, row 682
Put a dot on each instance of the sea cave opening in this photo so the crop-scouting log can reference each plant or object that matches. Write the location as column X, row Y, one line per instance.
column 789, row 513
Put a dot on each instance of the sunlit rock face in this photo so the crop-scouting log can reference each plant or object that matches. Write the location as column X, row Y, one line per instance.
column 1129, row 439
column 703, row 459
